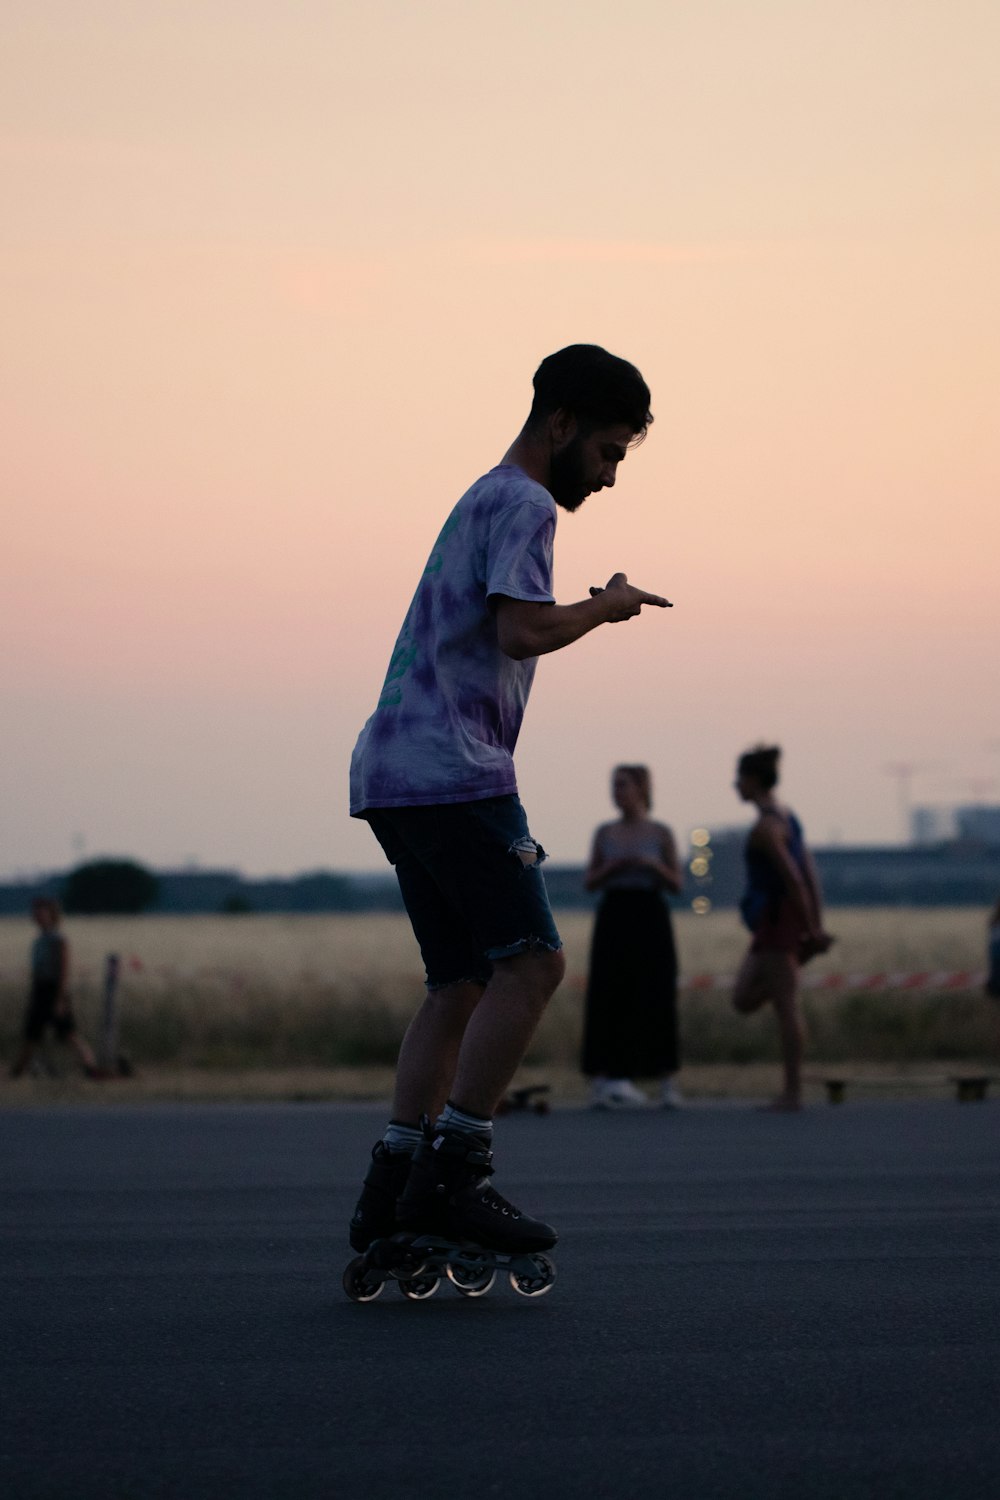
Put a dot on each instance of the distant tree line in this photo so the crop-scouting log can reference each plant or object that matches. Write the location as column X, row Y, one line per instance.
column 109, row 887
column 951, row 875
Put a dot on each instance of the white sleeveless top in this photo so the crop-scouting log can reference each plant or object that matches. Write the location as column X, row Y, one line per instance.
column 619, row 840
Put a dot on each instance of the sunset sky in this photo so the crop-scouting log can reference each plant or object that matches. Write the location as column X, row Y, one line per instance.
column 275, row 281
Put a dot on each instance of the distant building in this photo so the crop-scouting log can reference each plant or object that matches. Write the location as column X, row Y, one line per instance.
column 931, row 825
column 979, row 825
column 976, row 824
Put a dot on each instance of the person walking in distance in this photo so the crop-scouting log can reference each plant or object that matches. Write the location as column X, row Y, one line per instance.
column 433, row 774
column 49, row 999
column 630, row 1018
column 782, row 906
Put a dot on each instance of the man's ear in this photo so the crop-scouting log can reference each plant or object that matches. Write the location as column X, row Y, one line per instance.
column 562, row 428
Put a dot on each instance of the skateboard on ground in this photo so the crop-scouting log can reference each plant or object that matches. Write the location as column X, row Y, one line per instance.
column 530, row 1100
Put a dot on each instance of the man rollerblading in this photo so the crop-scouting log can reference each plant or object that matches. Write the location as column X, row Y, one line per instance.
column 433, row 774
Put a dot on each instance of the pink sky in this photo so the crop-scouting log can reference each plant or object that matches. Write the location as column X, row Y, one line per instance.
column 276, row 281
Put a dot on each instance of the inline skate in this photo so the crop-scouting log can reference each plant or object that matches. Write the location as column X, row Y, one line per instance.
column 451, row 1223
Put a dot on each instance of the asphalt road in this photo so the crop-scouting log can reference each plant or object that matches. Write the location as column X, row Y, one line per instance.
column 746, row 1305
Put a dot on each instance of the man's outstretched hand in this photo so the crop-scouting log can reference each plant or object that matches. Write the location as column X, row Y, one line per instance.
column 624, row 600
column 527, row 627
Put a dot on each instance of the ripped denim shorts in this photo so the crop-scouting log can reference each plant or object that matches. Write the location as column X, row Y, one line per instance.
column 471, row 880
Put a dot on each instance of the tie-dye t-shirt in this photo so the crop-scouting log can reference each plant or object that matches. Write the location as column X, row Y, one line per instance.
column 452, row 703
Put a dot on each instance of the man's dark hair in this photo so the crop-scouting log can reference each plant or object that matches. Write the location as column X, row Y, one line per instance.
column 599, row 389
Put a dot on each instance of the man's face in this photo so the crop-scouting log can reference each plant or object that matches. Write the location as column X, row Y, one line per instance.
column 585, row 463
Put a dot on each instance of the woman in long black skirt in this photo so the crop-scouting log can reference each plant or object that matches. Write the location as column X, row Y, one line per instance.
column 630, row 1026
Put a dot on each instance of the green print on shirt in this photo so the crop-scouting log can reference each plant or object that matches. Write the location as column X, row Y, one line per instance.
column 403, row 658
column 437, row 561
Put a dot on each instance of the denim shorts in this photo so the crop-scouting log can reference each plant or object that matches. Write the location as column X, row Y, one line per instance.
column 471, row 881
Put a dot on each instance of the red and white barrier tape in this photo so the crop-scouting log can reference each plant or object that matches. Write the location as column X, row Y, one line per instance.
column 943, row 979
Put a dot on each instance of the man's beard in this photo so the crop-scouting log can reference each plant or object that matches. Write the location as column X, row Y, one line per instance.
column 567, row 485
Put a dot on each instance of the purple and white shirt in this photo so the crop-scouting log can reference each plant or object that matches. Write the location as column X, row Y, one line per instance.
column 452, row 703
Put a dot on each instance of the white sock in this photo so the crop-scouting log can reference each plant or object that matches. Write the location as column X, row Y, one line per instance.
column 400, row 1137
column 452, row 1118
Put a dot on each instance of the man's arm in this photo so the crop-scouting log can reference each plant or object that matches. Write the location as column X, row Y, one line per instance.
column 526, row 628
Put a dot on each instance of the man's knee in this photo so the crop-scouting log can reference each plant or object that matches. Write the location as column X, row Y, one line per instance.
column 452, row 1001
column 553, row 969
column 538, row 972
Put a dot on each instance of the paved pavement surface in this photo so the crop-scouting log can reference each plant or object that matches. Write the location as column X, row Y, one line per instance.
column 747, row 1305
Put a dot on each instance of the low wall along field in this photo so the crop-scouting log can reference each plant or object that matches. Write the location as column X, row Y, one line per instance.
column 336, row 991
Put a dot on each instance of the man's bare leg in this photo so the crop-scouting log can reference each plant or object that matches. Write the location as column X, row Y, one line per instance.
column 468, row 1042
column 501, row 1028
column 429, row 1053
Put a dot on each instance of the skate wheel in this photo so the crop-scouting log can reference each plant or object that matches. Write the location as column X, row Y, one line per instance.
column 355, row 1285
column 419, row 1288
column 471, row 1281
column 412, row 1270
column 400, row 1256
column 537, row 1282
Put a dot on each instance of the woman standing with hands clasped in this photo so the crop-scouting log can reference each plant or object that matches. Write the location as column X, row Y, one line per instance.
column 782, row 907
column 630, row 1027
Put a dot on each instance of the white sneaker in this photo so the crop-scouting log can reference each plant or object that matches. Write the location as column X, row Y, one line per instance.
column 671, row 1096
column 617, row 1093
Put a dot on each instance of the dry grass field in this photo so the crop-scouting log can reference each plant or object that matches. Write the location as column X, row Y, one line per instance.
column 313, row 1006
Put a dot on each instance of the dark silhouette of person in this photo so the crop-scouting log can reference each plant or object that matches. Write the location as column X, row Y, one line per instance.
column 49, row 1003
column 433, row 773
column 630, row 1018
column 782, row 907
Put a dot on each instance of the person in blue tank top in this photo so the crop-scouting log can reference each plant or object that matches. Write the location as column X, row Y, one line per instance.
column 782, row 907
